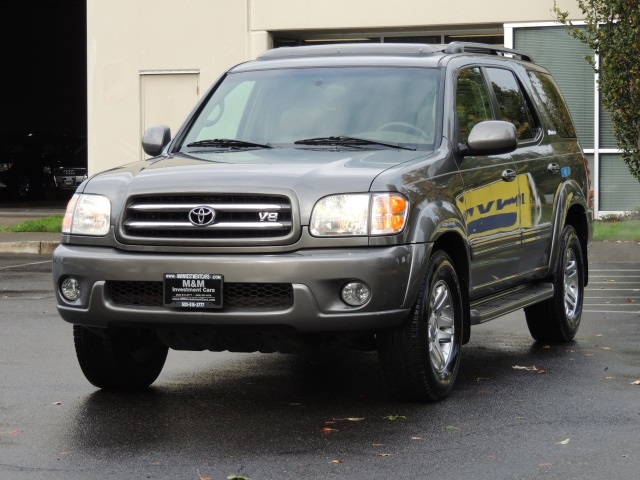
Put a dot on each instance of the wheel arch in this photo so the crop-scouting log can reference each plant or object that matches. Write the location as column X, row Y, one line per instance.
column 571, row 210
column 454, row 245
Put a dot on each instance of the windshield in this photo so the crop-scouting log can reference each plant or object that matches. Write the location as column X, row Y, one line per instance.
column 390, row 106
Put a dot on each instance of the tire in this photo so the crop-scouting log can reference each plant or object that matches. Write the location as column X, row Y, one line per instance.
column 558, row 318
column 420, row 359
column 131, row 359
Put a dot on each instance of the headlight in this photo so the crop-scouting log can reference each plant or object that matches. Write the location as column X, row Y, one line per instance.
column 359, row 214
column 5, row 166
column 87, row 215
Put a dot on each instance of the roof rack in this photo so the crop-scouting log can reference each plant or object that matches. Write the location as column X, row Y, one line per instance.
column 462, row 47
column 407, row 49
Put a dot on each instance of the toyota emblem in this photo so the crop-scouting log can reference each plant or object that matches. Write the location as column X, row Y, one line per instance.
column 202, row 216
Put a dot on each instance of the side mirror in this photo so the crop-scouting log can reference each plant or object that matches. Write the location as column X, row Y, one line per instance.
column 155, row 139
column 492, row 137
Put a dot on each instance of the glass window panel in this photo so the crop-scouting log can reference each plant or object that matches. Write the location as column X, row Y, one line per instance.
column 417, row 39
column 549, row 96
column 511, row 102
column 607, row 140
column 619, row 191
column 563, row 56
column 472, row 101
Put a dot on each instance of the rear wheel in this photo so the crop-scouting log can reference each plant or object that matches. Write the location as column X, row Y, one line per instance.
column 420, row 359
column 130, row 359
column 558, row 318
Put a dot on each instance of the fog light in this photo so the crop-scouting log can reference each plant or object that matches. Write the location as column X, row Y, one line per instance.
column 70, row 289
column 355, row 294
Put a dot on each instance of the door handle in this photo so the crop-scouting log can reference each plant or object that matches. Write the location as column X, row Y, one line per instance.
column 553, row 168
column 509, row 175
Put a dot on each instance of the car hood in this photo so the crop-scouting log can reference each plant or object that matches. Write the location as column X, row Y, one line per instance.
column 306, row 174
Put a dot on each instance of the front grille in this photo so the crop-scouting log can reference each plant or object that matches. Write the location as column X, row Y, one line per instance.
column 237, row 216
column 235, row 295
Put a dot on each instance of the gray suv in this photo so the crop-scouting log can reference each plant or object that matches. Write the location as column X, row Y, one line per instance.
column 378, row 197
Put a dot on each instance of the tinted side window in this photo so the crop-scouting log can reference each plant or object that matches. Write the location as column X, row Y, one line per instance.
column 549, row 96
column 513, row 107
column 473, row 104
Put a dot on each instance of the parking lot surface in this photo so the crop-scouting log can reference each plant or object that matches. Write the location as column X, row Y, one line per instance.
column 520, row 410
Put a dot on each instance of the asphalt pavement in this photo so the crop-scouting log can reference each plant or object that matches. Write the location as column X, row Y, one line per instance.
column 520, row 409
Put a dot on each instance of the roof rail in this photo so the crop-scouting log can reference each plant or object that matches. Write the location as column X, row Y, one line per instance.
column 406, row 49
column 462, row 47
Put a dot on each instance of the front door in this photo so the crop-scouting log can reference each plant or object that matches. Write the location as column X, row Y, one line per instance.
column 491, row 198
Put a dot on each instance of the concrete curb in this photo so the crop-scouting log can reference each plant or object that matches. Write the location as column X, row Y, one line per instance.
column 37, row 247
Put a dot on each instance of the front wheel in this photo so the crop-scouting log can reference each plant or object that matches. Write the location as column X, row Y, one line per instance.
column 558, row 318
column 420, row 359
column 130, row 359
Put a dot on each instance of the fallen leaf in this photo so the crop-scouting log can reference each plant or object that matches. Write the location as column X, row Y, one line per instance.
column 451, row 428
column 564, row 442
column 395, row 417
column 631, row 300
column 520, row 418
column 637, row 382
column 547, row 347
column 377, row 444
column 570, row 351
column 385, row 454
column 328, row 430
column 15, row 432
column 608, row 378
column 237, row 477
column 533, row 368
column 201, row 477
column 545, row 464
column 598, row 335
column 417, row 438
column 606, row 348
column 541, row 372
column 337, row 461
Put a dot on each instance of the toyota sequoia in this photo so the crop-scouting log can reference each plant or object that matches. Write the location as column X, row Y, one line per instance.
column 378, row 197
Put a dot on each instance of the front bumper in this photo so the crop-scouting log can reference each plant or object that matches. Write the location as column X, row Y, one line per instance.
column 393, row 274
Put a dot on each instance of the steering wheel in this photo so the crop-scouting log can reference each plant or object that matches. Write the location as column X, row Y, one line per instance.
column 403, row 126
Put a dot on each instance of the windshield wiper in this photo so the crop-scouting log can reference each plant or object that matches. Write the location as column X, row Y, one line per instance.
column 343, row 140
column 227, row 143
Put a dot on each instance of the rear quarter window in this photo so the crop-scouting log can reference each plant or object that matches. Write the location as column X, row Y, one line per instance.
column 548, row 94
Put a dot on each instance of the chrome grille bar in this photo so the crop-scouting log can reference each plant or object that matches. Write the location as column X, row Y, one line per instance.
column 225, row 207
column 150, row 225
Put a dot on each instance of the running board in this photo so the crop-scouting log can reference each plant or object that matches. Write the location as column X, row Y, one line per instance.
column 495, row 306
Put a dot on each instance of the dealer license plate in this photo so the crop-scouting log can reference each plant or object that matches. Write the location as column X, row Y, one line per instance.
column 193, row 290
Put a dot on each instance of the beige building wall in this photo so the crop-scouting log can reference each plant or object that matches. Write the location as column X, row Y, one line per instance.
column 129, row 40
